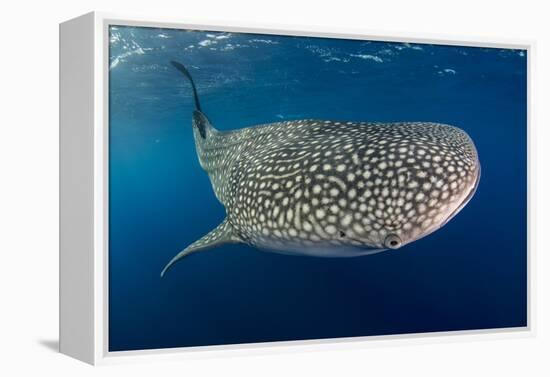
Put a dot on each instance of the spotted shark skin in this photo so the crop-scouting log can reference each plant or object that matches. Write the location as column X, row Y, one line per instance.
column 333, row 188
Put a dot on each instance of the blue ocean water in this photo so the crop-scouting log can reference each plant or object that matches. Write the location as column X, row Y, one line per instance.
column 471, row 274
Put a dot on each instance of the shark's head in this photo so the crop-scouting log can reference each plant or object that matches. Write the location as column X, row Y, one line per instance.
column 403, row 186
column 356, row 189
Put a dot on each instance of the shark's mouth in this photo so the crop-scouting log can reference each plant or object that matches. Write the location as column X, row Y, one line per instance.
column 466, row 199
column 454, row 213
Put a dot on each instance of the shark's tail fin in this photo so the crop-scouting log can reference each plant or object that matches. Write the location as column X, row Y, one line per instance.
column 180, row 67
column 200, row 120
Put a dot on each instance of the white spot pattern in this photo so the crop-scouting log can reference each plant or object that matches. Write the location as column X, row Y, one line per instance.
column 310, row 186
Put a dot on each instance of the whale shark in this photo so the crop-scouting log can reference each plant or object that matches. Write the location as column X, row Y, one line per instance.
column 329, row 188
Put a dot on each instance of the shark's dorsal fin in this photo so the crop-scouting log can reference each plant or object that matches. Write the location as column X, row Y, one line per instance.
column 203, row 125
column 220, row 235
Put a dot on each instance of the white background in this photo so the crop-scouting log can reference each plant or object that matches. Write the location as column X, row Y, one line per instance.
column 29, row 184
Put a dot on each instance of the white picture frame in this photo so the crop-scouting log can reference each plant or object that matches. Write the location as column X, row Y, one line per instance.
column 84, row 191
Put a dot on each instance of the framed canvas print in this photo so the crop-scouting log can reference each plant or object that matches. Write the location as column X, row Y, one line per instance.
column 227, row 188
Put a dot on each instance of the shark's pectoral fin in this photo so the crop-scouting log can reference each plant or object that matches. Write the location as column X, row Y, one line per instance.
column 220, row 235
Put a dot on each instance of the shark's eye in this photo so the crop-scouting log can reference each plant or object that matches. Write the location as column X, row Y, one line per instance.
column 342, row 234
column 392, row 241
